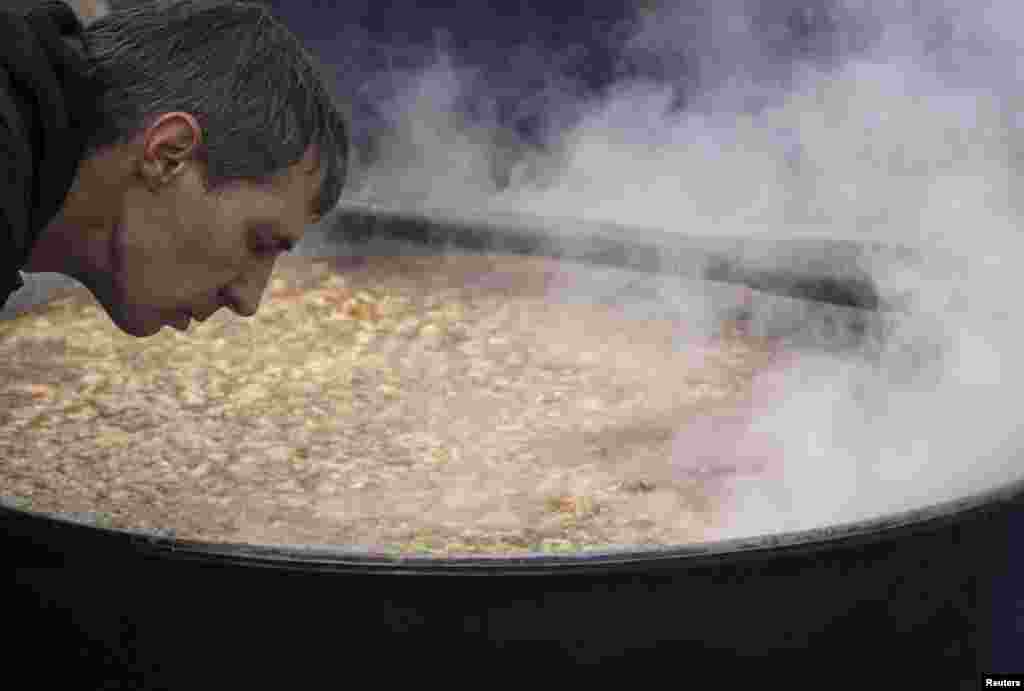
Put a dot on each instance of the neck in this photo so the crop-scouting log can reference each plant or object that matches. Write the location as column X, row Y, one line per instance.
column 76, row 240
column 56, row 249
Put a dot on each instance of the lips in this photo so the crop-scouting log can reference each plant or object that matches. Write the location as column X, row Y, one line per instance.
column 182, row 322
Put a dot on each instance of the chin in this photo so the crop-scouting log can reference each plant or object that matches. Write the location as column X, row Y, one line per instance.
column 134, row 320
column 133, row 326
column 140, row 331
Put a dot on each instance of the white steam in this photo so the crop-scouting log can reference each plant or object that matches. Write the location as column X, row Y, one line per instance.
column 905, row 134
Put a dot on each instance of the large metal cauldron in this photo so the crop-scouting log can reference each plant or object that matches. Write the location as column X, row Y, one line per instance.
column 911, row 592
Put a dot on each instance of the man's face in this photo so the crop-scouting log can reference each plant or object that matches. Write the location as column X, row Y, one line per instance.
column 177, row 251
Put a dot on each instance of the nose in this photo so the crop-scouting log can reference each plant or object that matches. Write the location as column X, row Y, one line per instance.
column 244, row 295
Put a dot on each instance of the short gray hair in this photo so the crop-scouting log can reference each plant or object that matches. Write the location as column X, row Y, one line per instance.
column 259, row 96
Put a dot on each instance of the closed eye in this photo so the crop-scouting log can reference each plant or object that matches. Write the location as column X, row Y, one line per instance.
column 265, row 244
column 263, row 249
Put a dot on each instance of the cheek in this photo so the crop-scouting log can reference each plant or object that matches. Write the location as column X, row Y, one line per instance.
column 209, row 238
column 152, row 273
column 182, row 247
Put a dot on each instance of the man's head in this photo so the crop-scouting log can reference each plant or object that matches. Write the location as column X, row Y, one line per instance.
column 215, row 145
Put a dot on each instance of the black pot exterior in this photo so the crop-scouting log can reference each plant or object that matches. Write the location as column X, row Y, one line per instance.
column 148, row 613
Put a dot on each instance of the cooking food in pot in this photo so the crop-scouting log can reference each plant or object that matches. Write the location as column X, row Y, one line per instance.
column 439, row 405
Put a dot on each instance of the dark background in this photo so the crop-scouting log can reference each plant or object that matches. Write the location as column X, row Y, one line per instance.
column 535, row 57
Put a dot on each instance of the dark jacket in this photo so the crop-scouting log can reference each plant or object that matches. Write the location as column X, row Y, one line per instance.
column 43, row 92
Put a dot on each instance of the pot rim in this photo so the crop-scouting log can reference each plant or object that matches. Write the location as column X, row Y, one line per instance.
column 849, row 535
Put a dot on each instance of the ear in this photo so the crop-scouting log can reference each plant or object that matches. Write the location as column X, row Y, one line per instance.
column 168, row 144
